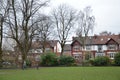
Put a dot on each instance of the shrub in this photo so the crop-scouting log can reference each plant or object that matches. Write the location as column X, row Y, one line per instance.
column 87, row 55
column 117, row 59
column 49, row 59
column 28, row 63
column 66, row 60
column 100, row 61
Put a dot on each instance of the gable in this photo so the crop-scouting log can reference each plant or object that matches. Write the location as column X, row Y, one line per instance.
column 75, row 43
column 111, row 41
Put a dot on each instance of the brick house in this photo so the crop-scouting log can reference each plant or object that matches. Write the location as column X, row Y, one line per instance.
column 97, row 45
column 51, row 46
column 36, row 50
column 67, row 50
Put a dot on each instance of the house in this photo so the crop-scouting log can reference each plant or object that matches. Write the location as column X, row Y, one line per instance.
column 50, row 46
column 67, row 50
column 37, row 49
column 97, row 45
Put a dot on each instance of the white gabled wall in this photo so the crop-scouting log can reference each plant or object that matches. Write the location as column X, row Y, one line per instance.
column 95, row 47
column 104, row 47
column 58, row 47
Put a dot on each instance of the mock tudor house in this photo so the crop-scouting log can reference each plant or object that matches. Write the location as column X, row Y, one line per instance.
column 97, row 45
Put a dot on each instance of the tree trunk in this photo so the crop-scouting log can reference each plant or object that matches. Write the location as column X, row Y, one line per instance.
column 62, row 52
column 83, row 53
column 1, row 58
column 43, row 49
column 62, row 49
column 24, row 58
column 1, row 38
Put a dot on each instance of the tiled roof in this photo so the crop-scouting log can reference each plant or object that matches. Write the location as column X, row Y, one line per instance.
column 99, row 39
column 38, row 44
column 106, row 38
column 89, row 40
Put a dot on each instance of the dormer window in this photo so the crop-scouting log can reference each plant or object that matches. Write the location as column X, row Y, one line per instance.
column 108, row 39
column 102, row 39
column 76, row 48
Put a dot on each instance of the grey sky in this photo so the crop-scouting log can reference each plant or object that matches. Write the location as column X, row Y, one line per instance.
column 107, row 12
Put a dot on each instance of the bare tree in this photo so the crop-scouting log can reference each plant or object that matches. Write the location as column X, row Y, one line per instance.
column 63, row 18
column 105, row 33
column 22, row 23
column 4, row 9
column 44, row 31
column 86, row 23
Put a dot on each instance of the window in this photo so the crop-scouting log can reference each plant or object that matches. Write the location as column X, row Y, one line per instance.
column 99, row 48
column 47, row 49
column 100, row 54
column 111, row 55
column 39, row 50
column 76, row 48
column 30, row 51
column 102, row 39
column 108, row 39
column 77, row 56
column 111, row 47
column 88, row 47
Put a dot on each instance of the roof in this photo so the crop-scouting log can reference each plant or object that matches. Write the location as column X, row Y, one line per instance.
column 53, row 42
column 106, row 38
column 99, row 39
column 38, row 44
column 89, row 40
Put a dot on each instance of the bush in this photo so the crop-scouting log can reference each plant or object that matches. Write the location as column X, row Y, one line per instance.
column 100, row 61
column 117, row 59
column 87, row 55
column 66, row 60
column 86, row 63
column 49, row 59
column 28, row 63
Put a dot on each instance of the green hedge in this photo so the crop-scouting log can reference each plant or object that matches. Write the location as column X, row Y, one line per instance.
column 117, row 59
column 49, row 59
column 66, row 60
column 100, row 61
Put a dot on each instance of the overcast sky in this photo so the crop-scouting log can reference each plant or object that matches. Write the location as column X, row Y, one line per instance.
column 106, row 12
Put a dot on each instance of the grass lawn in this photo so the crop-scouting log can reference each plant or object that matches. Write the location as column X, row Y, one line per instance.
column 62, row 73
